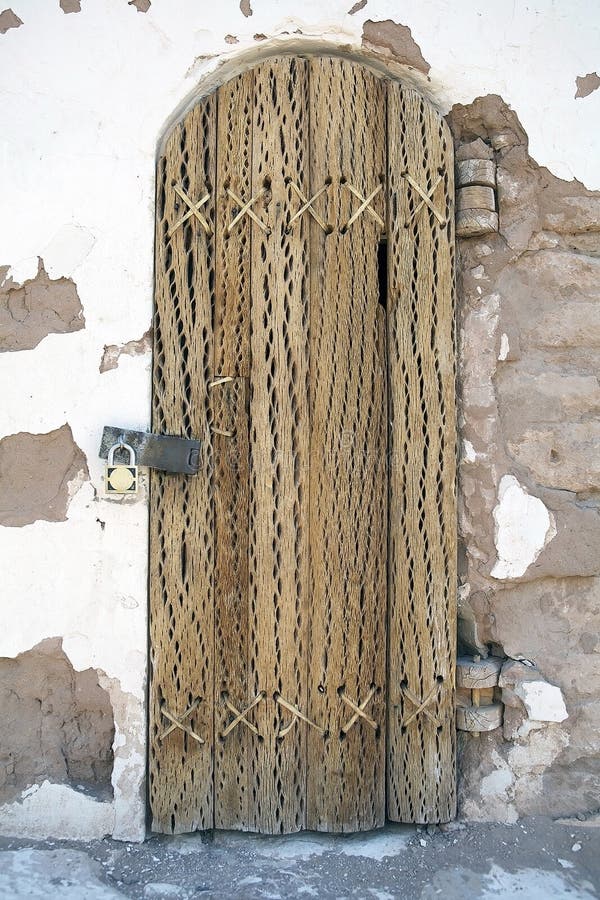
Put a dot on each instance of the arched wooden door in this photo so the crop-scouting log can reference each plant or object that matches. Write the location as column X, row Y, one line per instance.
column 302, row 584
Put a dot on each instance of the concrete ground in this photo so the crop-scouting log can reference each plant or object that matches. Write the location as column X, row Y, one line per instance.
column 536, row 859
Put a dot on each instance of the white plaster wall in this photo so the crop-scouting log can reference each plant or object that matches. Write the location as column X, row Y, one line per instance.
column 85, row 98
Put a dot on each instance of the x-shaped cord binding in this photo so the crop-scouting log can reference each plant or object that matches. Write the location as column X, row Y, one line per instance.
column 193, row 210
column 420, row 705
column 241, row 716
column 426, row 198
column 178, row 723
column 224, row 379
column 308, row 205
column 297, row 715
column 245, row 210
column 365, row 206
column 359, row 711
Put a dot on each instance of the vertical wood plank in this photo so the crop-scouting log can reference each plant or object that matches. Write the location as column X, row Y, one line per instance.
column 348, row 488
column 234, row 174
column 278, row 548
column 422, row 566
column 230, row 414
column 181, row 520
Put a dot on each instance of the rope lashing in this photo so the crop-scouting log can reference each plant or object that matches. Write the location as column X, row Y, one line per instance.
column 365, row 206
column 426, row 198
column 308, row 205
column 179, row 723
column 241, row 716
column 193, row 210
column 297, row 714
column 420, row 704
column 359, row 711
column 246, row 210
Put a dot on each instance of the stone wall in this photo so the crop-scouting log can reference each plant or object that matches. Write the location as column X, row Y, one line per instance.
column 529, row 308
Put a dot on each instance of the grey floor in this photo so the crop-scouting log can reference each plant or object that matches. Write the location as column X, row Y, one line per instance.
column 536, row 859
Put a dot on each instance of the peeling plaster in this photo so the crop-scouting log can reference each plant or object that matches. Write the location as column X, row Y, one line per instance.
column 142, row 6
column 113, row 352
column 8, row 20
column 67, row 250
column 587, row 84
column 70, row 6
column 395, row 39
column 544, row 702
column 40, row 306
column 523, row 528
column 39, row 476
column 55, row 810
column 357, row 7
column 246, row 8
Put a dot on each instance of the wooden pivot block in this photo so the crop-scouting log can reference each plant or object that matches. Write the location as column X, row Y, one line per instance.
column 476, row 222
column 477, row 673
column 476, row 197
column 479, row 718
column 476, row 171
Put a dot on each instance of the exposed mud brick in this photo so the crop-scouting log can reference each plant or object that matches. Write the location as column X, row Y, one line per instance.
column 36, row 473
column 31, row 311
column 57, row 724
column 395, row 40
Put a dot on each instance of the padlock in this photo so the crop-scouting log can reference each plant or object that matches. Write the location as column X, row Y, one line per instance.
column 121, row 478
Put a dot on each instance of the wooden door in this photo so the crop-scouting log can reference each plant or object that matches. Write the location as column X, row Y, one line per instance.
column 302, row 585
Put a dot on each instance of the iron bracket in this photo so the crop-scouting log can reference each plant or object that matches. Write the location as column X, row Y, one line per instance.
column 166, row 452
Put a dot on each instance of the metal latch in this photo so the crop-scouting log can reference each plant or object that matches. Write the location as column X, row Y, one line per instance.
column 166, row 452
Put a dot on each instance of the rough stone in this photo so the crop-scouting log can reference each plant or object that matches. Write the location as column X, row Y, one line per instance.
column 31, row 311
column 528, row 405
column 390, row 38
column 39, row 474
column 57, row 724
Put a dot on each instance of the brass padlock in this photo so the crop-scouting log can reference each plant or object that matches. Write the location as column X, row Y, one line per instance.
column 121, row 478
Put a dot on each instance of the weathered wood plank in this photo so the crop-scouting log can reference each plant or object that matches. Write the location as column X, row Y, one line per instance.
column 181, row 509
column 232, row 244
column 422, row 564
column 230, row 414
column 348, row 489
column 278, row 541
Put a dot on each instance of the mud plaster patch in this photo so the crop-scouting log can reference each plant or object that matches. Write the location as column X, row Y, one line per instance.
column 39, row 475
column 357, row 7
column 142, row 6
column 246, row 8
column 587, row 84
column 394, row 40
column 40, row 306
column 8, row 20
column 57, row 724
column 70, row 6
column 113, row 352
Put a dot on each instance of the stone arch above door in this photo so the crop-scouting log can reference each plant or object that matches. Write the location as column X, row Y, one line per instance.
column 303, row 584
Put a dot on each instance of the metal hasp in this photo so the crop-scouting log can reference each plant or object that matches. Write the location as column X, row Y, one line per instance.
column 166, row 452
